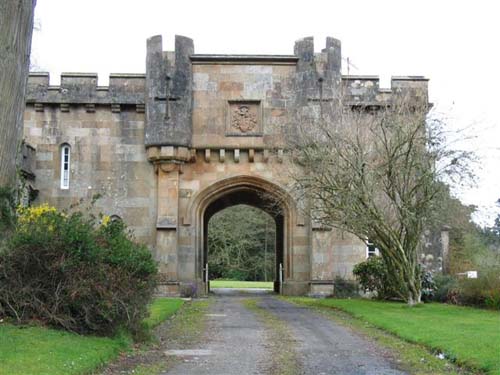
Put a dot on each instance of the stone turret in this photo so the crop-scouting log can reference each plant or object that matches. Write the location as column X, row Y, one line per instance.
column 169, row 99
column 318, row 75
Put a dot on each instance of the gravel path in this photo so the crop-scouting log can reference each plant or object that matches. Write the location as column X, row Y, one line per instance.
column 237, row 346
column 236, row 343
column 328, row 348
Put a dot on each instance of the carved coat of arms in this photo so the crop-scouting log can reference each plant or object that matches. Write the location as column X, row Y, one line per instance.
column 243, row 118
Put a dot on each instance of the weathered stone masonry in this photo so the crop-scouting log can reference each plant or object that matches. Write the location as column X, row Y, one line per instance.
column 196, row 134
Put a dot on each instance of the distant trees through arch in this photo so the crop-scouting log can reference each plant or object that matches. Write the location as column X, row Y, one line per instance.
column 242, row 244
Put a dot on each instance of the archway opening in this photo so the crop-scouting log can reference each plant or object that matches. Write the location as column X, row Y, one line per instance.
column 243, row 238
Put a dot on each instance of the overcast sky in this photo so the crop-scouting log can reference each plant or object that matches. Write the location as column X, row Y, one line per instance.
column 454, row 43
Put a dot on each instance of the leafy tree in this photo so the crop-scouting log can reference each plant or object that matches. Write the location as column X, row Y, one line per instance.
column 376, row 174
column 241, row 244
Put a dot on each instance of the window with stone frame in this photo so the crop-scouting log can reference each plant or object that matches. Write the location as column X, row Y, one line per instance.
column 65, row 165
column 371, row 249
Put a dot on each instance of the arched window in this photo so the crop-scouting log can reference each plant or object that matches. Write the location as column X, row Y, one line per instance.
column 65, row 165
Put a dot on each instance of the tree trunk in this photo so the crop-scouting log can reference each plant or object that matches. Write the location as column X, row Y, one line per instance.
column 16, row 28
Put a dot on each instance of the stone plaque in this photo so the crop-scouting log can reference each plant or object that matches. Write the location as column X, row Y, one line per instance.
column 244, row 118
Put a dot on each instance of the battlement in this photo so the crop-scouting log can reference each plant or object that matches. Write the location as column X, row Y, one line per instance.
column 365, row 89
column 317, row 74
column 81, row 88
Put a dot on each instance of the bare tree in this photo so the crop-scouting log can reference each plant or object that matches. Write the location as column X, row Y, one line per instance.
column 16, row 27
column 376, row 173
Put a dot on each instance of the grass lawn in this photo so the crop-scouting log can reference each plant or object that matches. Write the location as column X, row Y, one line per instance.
column 30, row 350
column 469, row 336
column 241, row 284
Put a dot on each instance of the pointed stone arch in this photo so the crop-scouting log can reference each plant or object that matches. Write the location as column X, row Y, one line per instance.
column 239, row 189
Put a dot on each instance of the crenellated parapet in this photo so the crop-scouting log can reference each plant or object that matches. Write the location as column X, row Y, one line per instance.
column 366, row 91
column 82, row 89
column 318, row 78
column 318, row 75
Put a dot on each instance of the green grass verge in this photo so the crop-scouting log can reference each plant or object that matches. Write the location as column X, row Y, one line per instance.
column 470, row 337
column 241, row 284
column 37, row 350
column 26, row 350
column 162, row 309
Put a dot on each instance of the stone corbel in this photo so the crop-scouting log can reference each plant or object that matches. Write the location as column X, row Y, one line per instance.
column 280, row 155
column 265, row 156
column 168, row 167
column 251, row 155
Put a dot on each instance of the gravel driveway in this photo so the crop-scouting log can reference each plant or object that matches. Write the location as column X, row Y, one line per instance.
column 236, row 342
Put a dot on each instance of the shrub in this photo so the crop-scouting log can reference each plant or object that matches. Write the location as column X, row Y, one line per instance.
column 69, row 271
column 346, row 288
column 446, row 288
column 428, row 286
column 482, row 292
column 373, row 276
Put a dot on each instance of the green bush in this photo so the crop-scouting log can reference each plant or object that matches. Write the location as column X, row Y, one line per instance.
column 373, row 276
column 75, row 272
column 482, row 292
column 428, row 285
column 446, row 288
column 345, row 288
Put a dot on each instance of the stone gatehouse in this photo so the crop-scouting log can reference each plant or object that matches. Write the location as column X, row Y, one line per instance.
column 193, row 135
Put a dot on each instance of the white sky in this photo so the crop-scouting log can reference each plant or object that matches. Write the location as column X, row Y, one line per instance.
column 454, row 43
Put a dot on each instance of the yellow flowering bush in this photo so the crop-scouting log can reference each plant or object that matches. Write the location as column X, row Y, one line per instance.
column 76, row 271
column 28, row 214
column 105, row 220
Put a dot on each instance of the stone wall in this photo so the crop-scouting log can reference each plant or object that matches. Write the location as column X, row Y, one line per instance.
column 104, row 128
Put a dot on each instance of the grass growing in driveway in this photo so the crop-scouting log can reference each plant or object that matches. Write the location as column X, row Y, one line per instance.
column 162, row 309
column 279, row 341
column 31, row 350
column 241, row 284
column 469, row 336
column 185, row 330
